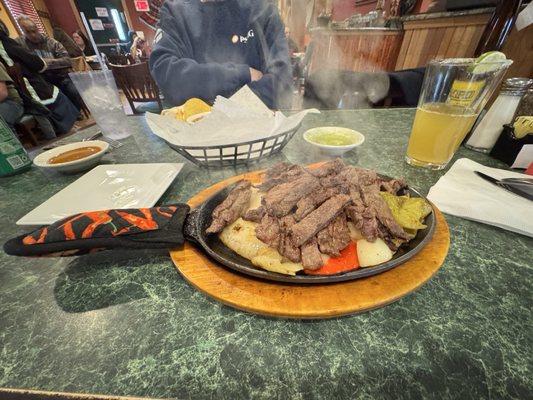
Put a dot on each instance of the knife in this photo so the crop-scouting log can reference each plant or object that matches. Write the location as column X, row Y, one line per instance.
column 522, row 189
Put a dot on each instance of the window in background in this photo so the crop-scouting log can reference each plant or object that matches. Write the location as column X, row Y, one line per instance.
column 24, row 7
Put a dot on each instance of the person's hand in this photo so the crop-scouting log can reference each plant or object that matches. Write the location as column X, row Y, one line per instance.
column 255, row 74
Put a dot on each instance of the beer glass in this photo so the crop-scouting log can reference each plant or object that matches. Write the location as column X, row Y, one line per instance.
column 453, row 93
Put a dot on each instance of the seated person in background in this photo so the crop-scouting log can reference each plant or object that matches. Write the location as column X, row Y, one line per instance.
column 11, row 108
column 83, row 43
column 139, row 49
column 205, row 48
column 58, row 63
column 68, row 43
column 43, row 98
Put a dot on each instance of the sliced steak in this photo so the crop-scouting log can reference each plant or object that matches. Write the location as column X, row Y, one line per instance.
column 286, row 245
column 268, row 231
column 365, row 221
column 281, row 199
column 393, row 186
column 231, row 208
column 311, row 257
column 277, row 169
column 307, row 204
column 331, row 167
column 319, row 218
column 279, row 174
column 254, row 215
column 373, row 200
column 335, row 237
column 369, row 209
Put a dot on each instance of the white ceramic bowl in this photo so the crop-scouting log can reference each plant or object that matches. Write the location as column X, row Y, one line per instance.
column 332, row 150
column 82, row 164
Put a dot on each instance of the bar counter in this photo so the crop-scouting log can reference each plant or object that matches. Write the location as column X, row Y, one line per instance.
column 126, row 323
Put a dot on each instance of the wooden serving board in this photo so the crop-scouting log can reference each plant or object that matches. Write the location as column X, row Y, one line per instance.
column 307, row 301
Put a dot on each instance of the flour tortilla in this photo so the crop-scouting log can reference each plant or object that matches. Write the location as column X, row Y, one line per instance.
column 240, row 237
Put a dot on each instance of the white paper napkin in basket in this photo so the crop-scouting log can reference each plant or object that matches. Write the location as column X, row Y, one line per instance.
column 462, row 193
column 241, row 118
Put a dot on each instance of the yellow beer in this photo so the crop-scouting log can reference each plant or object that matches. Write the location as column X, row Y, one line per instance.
column 438, row 130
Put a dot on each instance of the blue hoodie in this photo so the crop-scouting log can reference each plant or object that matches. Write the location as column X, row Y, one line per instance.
column 205, row 49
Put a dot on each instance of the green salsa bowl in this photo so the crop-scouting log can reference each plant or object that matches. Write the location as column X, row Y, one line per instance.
column 334, row 140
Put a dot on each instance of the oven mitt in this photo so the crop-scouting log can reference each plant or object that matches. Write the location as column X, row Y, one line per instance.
column 136, row 228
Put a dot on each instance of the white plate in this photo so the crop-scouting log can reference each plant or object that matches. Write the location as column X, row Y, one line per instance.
column 105, row 187
column 83, row 164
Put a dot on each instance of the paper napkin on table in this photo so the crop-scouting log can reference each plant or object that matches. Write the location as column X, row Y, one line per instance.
column 462, row 193
column 241, row 118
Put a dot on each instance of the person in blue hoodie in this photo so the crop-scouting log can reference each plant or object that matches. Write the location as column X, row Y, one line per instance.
column 205, row 48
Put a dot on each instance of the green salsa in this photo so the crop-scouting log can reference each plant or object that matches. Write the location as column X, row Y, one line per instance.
column 331, row 137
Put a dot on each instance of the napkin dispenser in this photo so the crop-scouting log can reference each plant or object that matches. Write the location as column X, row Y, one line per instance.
column 509, row 145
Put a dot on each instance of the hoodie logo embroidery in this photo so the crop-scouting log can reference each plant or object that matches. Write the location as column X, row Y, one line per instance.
column 244, row 39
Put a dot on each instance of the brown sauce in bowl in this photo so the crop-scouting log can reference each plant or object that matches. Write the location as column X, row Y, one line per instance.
column 73, row 155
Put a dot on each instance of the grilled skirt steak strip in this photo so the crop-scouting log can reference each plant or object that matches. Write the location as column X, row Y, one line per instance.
column 307, row 204
column 331, row 167
column 393, row 186
column 311, row 257
column 254, row 215
column 319, row 219
column 281, row 199
column 231, row 208
column 335, row 237
column 279, row 174
column 286, row 246
column 268, row 231
column 374, row 201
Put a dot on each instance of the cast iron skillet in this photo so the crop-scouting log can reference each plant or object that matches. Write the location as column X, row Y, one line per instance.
column 200, row 218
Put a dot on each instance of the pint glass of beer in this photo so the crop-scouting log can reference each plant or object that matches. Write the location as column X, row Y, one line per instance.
column 453, row 94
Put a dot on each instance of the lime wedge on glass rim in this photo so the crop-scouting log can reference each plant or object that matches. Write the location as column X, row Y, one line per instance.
column 488, row 62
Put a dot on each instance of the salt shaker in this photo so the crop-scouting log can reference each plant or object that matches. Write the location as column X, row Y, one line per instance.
column 500, row 113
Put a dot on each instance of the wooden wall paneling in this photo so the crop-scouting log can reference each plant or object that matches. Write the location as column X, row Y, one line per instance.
column 519, row 48
column 445, row 42
column 356, row 54
column 453, row 50
column 468, row 39
column 410, row 53
column 356, row 51
column 428, row 39
column 430, row 46
column 406, row 42
column 413, row 54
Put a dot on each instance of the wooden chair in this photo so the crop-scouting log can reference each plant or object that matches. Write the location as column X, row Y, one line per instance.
column 117, row 59
column 137, row 84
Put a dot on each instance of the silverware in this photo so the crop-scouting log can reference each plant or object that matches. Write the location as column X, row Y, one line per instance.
column 95, row 136
column 517, row 186
column 524, row 181
column 113, row 143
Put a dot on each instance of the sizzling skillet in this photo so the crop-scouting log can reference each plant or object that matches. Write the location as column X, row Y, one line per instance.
column 168, row 227
column 200, row 218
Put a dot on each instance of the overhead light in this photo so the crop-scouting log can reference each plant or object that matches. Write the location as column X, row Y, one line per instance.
column 118, row 24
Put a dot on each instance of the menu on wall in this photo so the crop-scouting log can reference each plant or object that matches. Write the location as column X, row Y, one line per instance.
column 96, row 24
column 101, row 11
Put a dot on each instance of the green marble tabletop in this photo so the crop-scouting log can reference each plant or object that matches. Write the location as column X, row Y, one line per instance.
column 126, row 323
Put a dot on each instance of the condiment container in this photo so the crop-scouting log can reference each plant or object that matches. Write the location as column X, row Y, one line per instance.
column 500, row 113
column 514, row 138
